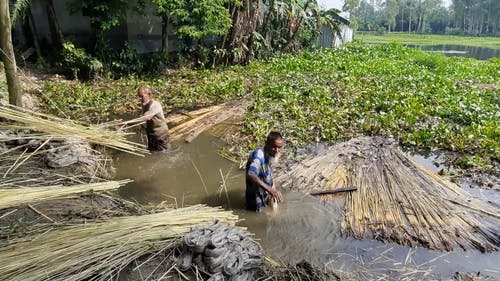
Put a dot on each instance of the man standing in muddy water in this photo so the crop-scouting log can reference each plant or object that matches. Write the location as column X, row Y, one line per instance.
column 259, row 178
column 152, row 114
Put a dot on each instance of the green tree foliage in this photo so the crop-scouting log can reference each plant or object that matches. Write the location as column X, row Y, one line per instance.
column 18, row 10
column 104, row 15
column 288, row 22
column 477, row 17
column 195, row 19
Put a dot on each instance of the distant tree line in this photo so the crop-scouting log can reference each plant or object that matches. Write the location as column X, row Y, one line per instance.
column 462, row 17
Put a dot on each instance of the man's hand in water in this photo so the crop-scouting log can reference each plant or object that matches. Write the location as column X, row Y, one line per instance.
column 276, row 195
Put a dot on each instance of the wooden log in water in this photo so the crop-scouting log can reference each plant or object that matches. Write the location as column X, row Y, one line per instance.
column 333, row 191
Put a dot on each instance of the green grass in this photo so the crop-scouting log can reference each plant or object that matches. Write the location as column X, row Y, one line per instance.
column 430, row 39
column 3, row 84
column 423, row 100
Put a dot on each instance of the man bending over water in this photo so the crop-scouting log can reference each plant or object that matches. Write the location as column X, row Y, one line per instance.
column 152, row 114
column 259, row 178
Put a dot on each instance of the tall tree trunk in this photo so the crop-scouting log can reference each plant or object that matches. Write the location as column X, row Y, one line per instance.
column 299, row 24
column 402, row 17
column 7, row 55
column 231, row 29
column 265, row 23
column 424, row 21
column 34, row 33
column 55, row 28
column 164, row 35
column 409, row 21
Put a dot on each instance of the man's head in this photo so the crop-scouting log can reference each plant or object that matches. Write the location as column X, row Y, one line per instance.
column 145, row 94
column 274, row 144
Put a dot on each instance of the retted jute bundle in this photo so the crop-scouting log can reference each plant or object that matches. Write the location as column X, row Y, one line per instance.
column 396, row 199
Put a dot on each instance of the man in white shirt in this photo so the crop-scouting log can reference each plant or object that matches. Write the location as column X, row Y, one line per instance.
column 152, row 114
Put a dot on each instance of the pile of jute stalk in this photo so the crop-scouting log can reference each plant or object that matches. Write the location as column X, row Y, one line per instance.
column 54, row 128
column 11, row 197
column 98, row 251
column 201, row 120
column 396, row 199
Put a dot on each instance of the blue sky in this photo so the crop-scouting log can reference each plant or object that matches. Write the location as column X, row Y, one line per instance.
column 327, row 4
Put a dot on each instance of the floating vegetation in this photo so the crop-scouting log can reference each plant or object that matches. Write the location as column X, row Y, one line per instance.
column 396, row 200
column 423, row 100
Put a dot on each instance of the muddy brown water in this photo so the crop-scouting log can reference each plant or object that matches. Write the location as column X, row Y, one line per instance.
column 301, row 228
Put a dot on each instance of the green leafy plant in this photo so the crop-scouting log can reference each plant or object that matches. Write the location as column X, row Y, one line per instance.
column 81, row 64
column 425, row 101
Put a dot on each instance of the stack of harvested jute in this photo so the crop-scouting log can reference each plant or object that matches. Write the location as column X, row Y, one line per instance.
column 189, row 125
column 48, row 127
column 396, row 199
column 100, row 250
column 224, row 251
column 31, row 142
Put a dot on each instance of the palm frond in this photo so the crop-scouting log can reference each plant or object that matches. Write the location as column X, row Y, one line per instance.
column 335, row 16
column 19, row 10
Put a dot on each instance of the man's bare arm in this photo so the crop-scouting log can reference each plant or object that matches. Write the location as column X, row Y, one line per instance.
column 275, row 193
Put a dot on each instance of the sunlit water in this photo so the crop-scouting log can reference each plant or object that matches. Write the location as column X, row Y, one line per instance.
column 480, row 53
column 301, row 228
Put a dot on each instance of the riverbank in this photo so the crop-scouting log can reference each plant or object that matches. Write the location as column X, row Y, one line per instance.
column 429, row 39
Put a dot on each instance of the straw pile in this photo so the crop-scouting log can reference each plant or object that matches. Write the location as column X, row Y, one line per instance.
column 188, row 126
column 36, row 218
column 396, row 200
column 18, row 196
column 27, row 161
column 51, row 128
column 98, row 251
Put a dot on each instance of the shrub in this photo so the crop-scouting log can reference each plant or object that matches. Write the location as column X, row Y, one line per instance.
column 431, row 61
column 79, row 63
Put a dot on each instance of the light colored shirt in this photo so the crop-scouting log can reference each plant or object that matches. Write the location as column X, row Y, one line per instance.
column 154, row 109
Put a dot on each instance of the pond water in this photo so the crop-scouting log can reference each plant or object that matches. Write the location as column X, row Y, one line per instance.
column 301, row 228
column 480, row 53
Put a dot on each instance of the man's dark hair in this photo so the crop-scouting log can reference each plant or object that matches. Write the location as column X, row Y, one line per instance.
column 272, row 136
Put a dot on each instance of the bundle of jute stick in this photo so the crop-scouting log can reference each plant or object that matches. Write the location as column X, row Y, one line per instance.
column 98, row 251
column 53, row 128
column 189, row 125
column 11, row 197
column 394, row 199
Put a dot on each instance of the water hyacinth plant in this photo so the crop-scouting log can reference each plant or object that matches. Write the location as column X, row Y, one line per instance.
column 423, row 100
